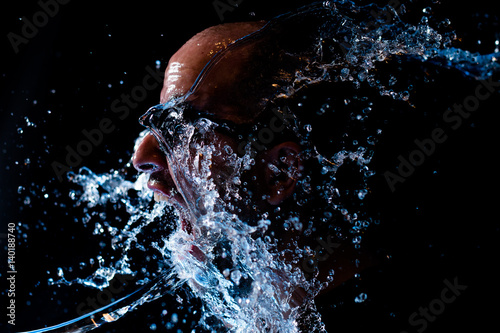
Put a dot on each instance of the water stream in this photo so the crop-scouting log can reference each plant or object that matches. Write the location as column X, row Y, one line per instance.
column 243, row 279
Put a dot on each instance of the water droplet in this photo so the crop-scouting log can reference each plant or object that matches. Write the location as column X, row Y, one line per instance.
column 361, row 298
column 274, row 169
column 344, row 74
column 236, row 276
column 362, row 193
column 201, row 278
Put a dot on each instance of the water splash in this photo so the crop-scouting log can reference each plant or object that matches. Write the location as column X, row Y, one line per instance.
column 236, row 266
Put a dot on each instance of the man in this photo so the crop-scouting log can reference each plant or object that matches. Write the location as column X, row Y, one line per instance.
column 229, row 91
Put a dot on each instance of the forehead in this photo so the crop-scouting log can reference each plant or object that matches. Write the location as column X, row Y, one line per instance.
column 188, row 62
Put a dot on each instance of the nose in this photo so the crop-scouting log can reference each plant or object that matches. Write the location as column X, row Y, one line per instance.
column 148, row 156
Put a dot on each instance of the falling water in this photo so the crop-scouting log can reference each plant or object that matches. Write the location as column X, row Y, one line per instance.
column 242, row 278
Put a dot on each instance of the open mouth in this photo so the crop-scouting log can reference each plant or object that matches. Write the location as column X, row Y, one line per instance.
column 173, row 200
column 164, row 190
column 185, row 225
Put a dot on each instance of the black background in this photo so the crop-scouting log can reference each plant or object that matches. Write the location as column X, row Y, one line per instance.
column 73, row 67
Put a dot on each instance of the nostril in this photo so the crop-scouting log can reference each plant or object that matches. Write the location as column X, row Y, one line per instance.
column 148, row 167
column 148, row 157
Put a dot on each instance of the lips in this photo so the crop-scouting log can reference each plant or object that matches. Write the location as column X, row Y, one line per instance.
column 164, row 189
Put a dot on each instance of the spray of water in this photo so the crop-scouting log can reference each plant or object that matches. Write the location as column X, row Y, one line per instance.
column 237, row 269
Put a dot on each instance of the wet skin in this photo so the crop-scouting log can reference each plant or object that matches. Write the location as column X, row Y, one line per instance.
column 182, row 71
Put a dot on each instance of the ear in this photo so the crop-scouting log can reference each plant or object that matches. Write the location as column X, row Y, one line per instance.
column 282, row 170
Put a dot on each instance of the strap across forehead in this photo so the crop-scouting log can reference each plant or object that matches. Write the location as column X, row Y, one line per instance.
column 239, row 81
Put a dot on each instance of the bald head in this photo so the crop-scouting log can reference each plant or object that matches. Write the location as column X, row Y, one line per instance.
column 187, row 63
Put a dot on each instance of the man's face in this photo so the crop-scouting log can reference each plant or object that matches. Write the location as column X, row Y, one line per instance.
column 167, row 175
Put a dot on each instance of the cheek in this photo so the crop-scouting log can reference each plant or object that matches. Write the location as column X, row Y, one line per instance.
column 231, row 176
column 225, row 162
column 227, row 165
column 249, row 175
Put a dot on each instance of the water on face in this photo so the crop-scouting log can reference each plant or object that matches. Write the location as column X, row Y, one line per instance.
column 242, row 277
